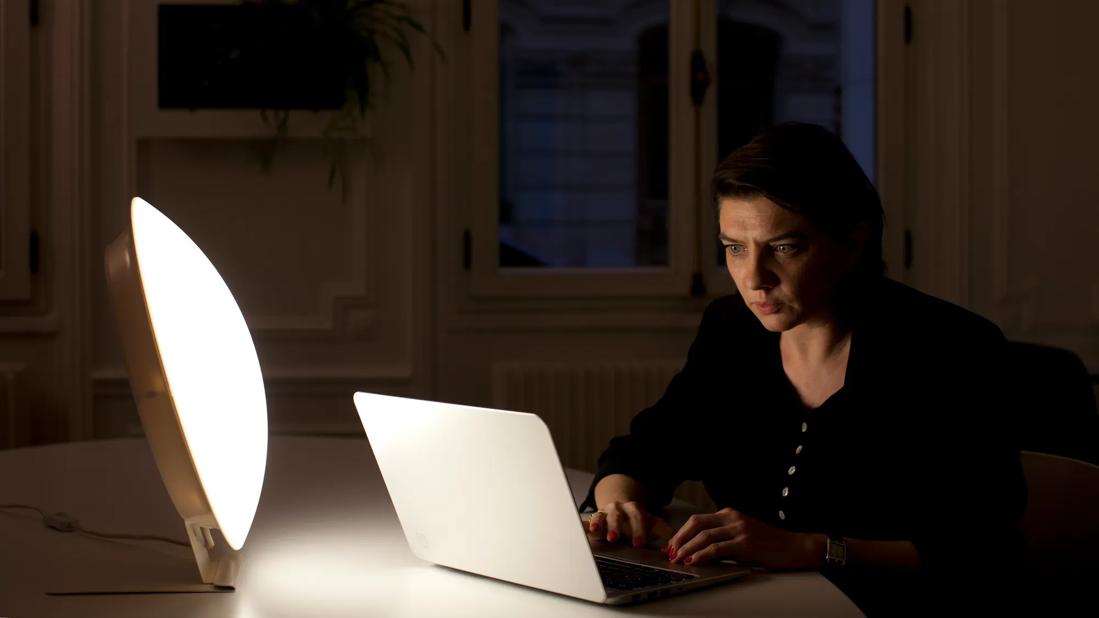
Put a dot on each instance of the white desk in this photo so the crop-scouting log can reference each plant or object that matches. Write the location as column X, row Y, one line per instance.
column 325, row 542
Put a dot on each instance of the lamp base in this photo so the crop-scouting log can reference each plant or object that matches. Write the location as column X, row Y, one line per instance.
column 217, row 563
column 116, row 589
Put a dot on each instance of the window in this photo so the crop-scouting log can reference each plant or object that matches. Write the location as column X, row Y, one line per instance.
column 595, row 181
column 583, row 134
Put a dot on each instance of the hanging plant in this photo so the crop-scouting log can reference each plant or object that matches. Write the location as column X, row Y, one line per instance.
column 353, row 38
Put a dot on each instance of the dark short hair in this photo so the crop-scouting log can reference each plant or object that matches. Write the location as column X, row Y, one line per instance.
column 807, row 169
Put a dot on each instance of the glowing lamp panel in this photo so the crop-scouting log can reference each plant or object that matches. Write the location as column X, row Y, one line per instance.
column 211, row 367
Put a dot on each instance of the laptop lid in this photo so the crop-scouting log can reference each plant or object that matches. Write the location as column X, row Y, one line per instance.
column 482, row 491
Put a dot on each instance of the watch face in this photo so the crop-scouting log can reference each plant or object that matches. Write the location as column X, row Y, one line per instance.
column 837, row 551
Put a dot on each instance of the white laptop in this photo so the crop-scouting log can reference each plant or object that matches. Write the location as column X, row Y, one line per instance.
column 483, row 491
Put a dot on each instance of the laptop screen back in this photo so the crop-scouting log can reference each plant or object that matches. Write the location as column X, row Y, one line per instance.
column 482, row 491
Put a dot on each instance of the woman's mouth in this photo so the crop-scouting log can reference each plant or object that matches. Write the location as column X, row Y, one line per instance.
column 768, row 308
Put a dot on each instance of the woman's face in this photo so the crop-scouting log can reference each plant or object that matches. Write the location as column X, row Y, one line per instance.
column 785, row 268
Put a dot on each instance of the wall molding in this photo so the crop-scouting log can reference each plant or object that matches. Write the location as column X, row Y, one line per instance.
column 47, row 324
column 69, row 174
column 961, row 44
column 300, row 400
column 892, row 109
column 15, row 158
column 343, row 308
column 1001, row 196
column 317, row 379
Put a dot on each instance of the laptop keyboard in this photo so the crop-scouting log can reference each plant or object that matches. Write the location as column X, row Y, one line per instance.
column 628, row 576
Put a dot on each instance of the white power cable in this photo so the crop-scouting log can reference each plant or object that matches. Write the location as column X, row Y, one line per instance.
column 63, row 522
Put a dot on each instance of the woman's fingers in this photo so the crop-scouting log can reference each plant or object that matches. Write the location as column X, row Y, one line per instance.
column 701, row 541
column 596, row 522
column 695, row 524
column 622, row 521
column 713, row 552
column 638, row 520
column 616, row 522
column 705, row 537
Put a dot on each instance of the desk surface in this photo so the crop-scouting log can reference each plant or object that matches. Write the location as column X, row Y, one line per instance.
column 325, row 542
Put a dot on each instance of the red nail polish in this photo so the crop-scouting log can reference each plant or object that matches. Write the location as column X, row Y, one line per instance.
column 671, row 554
column 638, row 541
column 612, row 536
column 689, row 560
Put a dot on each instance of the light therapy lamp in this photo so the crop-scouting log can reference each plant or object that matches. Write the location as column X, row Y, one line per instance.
column 196, row 381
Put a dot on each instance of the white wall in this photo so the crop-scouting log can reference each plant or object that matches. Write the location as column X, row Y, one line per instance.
column 333, row 286
column 1001, row 193
column 997, row 154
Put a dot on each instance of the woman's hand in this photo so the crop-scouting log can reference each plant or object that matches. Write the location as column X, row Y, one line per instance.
column 628, row 522
column 730, row 535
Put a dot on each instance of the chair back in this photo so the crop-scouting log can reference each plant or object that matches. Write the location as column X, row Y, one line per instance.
column 1061, row 523
column 1052, row 401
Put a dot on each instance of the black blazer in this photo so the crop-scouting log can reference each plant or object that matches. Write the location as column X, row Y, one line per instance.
column 913, row 447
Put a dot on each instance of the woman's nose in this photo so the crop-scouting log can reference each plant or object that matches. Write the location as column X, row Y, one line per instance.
column 757, row 275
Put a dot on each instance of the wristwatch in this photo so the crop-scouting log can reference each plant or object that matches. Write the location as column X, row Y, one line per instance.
column 835, row 553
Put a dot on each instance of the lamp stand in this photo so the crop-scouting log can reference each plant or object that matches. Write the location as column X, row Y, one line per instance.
column 217, row 563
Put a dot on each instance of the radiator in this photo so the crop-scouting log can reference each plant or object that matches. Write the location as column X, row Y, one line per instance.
column 585, row 404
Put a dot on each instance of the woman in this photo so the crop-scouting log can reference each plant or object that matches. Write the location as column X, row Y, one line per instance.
column 839, row 420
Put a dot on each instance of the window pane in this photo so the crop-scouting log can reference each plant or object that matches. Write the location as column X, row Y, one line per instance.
column 803, row 60
column 583, row 133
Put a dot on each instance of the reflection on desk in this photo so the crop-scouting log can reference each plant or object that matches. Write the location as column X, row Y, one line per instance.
column 325, row 542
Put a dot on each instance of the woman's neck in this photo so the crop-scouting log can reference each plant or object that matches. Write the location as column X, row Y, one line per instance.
column 815, row 343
